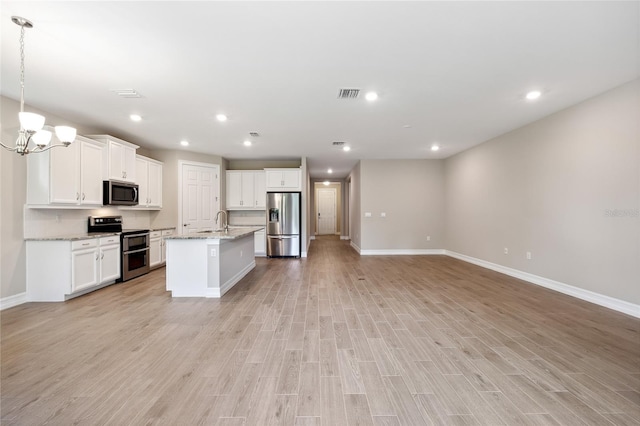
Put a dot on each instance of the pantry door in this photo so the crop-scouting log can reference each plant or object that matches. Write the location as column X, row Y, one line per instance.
column 199, row 196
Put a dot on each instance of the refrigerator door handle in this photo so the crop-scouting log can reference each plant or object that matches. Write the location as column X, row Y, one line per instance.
column 280, row 237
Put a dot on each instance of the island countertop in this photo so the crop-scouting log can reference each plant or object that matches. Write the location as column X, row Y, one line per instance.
column 232, row 234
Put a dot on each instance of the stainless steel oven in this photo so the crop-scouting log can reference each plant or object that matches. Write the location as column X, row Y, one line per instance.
column 134, row 245
column 135, row 253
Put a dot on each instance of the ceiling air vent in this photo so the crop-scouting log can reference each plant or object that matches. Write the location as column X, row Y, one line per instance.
column 126, row 93
column 254, row 134
column 338, row 143
column 348, row 93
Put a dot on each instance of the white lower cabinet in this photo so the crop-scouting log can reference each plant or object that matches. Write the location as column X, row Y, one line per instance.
column 60, row 269
column 158, row 247
column 260, row 243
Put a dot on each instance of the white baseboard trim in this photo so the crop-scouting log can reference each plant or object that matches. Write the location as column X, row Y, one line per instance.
column 303, row 254
column 344, row 237
column 312, row 237
column 590, row 296
column 225, row 287
column 355, row 247
column 401, row 252
column 11, row 301
column 336, row 233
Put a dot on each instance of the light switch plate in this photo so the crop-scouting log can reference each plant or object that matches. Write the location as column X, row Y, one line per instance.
column 367, row 214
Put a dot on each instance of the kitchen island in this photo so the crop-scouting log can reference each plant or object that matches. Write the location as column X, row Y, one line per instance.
column 208, row 264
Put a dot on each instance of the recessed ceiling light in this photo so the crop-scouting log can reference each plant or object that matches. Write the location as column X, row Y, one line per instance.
column 533, row 95
column 346, row 148
column 330, row 171
column 435, row 147
column 221, row 117
column 247, row 143
column 184, row 143
column 135, row 117
column 326, row 183
column 371, row 96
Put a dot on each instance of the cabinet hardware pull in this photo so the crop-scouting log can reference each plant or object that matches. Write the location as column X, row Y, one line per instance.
column 102, row 257
column 96, row 256
column 85, row 244
column 77, row 195
column 83, row 195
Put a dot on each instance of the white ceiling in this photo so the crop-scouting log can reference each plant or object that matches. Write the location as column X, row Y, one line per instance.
column 452, row 73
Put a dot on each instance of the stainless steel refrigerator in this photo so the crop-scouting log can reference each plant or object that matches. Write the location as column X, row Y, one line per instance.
column 283, row 224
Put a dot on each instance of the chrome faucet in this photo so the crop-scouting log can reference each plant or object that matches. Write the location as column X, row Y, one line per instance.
column 225, row 225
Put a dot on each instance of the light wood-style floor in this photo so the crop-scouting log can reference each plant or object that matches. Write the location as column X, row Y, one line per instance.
column 334, row 339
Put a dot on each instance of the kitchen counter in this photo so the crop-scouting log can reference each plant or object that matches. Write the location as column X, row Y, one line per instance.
column 232, row 234
column 208, row 264
column 75, row 237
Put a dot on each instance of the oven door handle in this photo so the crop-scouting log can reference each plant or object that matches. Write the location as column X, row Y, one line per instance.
column 136, row 251
column 144, row 234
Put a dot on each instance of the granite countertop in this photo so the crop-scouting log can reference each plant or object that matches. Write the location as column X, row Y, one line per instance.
column 166, row 228
column 232, row 234
column 76, row 237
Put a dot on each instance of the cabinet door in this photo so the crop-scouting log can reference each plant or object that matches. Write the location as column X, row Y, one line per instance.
column 247, row 190
column 65, row 175
column 116, row 169
column 260, row 191
column 274, row 179
column 154, row 184
column 291, row 179
column 234, row 189
column 129, row 164
column 260, row 243
column 90, row 173
column 84, row 269
column 142, row 167
column 163, row 244
column 109, row 263
column 155, row 251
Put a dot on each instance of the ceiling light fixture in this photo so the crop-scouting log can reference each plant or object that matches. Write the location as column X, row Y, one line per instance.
column 435, row 148
column 329, row 171
column 135, row 117
column 326, row 183
column 346, row 148
column 184, row 143
column 371, row 96
column 31, row 124
column 247, row 143
column 533, row 95
column 221, row 117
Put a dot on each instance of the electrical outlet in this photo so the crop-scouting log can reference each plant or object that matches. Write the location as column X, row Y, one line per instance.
column 240, row 253
column 528, row 255
column 367, row 214
column 506, row 250
column 213, row 252
column 428, row 237
column 383, row 214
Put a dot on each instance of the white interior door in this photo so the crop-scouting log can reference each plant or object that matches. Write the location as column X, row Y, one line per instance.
column 327, row 211
column 200, row 197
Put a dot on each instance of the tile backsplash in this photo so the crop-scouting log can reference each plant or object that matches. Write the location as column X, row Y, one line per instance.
column 247, row 217
column 58, row 222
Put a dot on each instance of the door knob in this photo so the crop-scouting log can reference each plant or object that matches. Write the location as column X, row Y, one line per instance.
column 185, row 224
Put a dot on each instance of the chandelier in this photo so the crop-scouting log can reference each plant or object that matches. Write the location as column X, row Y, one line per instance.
column 31, row 125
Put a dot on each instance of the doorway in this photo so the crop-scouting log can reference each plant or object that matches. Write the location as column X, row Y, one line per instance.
column 199, row 196
column 327, row 208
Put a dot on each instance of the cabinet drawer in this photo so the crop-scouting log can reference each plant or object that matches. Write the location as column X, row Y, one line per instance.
column 167, row 232
column 110, row 240
column 155, row 234
column 83, row 244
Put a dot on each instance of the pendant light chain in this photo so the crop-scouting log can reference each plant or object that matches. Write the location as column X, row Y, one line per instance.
column 22, row 69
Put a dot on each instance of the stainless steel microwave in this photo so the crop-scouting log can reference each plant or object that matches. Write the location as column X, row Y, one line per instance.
column 116, row 193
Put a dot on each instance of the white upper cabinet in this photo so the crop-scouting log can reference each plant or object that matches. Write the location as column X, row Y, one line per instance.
column 120, row 160
column 284, row 179
column 149, row 180
column 245, row 190
column 66, row 176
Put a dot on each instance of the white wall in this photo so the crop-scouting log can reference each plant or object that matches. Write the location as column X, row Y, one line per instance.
column 552, row 188
column 411, row 194
column 354, row 206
